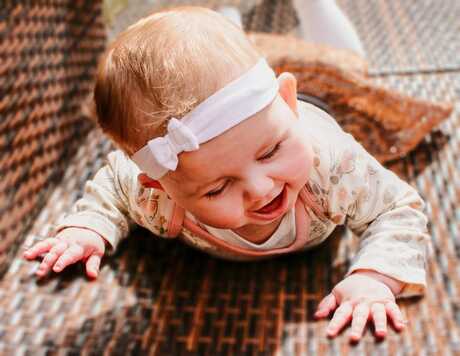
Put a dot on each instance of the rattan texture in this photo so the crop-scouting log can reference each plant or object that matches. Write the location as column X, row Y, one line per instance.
column 157, row 297
column 408, row 36
column 257, row 15
column 48, row 52
column 399, row 36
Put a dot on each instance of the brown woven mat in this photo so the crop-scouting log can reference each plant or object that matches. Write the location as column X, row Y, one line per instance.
column 162, row 298
column 158, row 297
column 408, row 36
column 257, row 15
column 398, row 36
column 48, row 52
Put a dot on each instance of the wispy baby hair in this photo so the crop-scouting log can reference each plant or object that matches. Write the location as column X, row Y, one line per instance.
column 163, row 66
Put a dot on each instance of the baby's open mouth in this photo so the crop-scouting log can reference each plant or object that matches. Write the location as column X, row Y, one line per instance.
column 273, row 205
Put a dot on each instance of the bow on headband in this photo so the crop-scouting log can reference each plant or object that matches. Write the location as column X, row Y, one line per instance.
column 165, row 149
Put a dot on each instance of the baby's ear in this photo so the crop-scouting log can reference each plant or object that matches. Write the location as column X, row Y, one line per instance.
column 288, row 90
column 148, row 182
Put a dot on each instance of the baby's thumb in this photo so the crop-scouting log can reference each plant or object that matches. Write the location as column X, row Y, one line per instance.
column 92, row 265
column 328, row 304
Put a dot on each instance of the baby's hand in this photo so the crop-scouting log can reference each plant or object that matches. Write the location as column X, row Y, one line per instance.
column 69, row 246
column 359, row 297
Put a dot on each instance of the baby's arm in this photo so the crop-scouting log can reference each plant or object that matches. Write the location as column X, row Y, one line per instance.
column 101, row 216
column 387, row 214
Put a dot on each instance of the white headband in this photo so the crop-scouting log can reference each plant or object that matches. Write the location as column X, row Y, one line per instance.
column 226, row 108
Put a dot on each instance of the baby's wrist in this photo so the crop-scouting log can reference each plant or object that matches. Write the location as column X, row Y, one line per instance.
column 395, row 286
column 78, row 229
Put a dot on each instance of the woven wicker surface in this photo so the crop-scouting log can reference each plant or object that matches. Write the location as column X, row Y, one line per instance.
column 166, row 299
column 161, row 298
column 408, row 36
column 398, row 36
column 48, row 52
column 257, row 15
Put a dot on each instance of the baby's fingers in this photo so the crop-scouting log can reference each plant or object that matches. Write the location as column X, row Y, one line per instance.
column 73, row 254
column 40, row 248
column 51, row 257
column 395, row 315
column 380, row 319
column 360, row 316
column 340, row 319
column 92, row 265
column 328, row 304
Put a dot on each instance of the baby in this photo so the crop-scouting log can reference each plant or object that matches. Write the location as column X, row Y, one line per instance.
column 217, row 151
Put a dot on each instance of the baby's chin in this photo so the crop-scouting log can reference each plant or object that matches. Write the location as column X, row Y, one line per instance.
column 258, row 233
column 235, row 227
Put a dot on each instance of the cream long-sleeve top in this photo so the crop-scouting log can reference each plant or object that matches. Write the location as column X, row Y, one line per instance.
column 346, row 186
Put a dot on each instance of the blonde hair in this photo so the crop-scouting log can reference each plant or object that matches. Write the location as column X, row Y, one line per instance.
column 163, row 66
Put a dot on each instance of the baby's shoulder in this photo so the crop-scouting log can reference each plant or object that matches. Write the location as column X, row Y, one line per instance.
column 328, row 140
column 318, row 118
column 330, row 145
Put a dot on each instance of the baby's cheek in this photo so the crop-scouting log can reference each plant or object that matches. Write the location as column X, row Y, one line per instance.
column 220, row 216
column 299, row 168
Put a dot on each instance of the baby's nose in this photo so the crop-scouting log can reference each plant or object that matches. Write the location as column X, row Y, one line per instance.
column 258, row 187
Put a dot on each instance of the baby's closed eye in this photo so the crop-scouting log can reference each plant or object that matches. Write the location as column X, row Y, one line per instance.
column 270, row 153
column 216, row 191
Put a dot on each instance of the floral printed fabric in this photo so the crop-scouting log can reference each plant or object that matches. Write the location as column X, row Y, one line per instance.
column 347, row 183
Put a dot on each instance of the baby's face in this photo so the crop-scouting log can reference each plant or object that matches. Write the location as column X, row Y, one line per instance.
column 248, row 177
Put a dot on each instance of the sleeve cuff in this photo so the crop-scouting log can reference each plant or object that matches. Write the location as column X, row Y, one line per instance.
column 109, row 232
column 414, row 278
